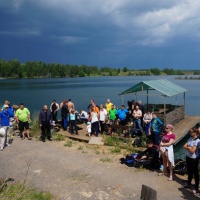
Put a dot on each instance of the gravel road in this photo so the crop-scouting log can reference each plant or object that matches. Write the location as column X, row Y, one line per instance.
column 77, row 172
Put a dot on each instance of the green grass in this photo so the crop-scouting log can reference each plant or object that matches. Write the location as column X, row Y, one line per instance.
column 59, row 137
column 115, row 150
column 80, row 148
column 34, row 125
column 106, row 159
column 68, row 143
column 16, row 191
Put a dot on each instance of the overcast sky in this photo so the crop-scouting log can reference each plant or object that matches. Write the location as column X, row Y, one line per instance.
column 138, row 34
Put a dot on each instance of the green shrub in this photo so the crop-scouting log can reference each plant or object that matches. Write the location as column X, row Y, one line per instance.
column 59, row 137
column 115, row 150
column 112, row 141
column 17, row 191
column 34, row 124
column 68, row 144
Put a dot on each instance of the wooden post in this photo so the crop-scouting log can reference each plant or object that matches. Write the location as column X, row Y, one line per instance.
column 148, row 193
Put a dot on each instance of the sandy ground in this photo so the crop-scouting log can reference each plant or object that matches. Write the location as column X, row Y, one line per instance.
column 82, row 172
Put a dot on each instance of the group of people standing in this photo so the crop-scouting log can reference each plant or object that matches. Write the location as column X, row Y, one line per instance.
column 10, row 114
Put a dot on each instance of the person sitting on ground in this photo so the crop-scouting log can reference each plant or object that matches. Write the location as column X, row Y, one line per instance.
column 151, row 154
column 112, row 115
column 137, row 114
column 147, row 122
column 121, row 115
column 83, row 116
column 45, row 123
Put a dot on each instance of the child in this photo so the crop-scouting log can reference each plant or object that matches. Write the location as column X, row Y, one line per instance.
column 73, row 122
column 89, row 128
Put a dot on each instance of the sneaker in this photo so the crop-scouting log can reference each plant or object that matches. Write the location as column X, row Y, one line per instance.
column 160, row 174
column 50, row 139
column 170, row 179
column 1, row 149
column 7, row 144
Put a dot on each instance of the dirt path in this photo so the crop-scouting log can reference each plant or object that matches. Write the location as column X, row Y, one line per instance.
column 77, row 172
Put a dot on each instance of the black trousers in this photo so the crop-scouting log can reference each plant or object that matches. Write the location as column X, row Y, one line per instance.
column 103, row 126
column 46, row 129
column 54, row 116
column 73, row 126
column 192, row 167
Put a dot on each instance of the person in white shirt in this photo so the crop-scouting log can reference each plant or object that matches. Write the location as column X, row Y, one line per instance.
column 83, row 116
column 102, row 118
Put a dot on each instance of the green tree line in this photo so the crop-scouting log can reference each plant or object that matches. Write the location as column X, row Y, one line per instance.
column 33, row 69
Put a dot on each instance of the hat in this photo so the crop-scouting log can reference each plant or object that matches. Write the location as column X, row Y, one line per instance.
column 6, row 106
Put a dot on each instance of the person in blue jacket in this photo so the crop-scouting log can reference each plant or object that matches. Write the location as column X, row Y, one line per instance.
column 156, row 123
column 5, row 123
column 122, row 115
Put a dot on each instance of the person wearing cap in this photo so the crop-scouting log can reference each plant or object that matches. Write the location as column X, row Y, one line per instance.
column 5, row 123
column 22, row 116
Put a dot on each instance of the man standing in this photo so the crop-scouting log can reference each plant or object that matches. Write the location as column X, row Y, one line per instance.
column 70, row 105
column 121, row 115
column 54, row 110
column 23, row 119
column 112, row 115
column 108, row 105
column 137, row 114
column 45, row 123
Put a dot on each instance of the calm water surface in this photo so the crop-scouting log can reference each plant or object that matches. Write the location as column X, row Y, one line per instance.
column 34, row 93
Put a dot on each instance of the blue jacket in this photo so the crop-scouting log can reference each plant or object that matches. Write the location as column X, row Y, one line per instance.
column 11, row 111
column 122, row 114
column 155, row 124
column 4, row 115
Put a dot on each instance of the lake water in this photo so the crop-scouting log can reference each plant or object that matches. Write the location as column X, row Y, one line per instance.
column 34, row 93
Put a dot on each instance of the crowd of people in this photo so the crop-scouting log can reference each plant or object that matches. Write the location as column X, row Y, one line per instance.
column 97, row 117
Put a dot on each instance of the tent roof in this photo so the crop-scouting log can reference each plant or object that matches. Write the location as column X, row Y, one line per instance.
column 163, row 86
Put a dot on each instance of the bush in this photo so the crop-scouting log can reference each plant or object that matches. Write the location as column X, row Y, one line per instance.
column 59, row 137
column 17, row 191
column 34, row 125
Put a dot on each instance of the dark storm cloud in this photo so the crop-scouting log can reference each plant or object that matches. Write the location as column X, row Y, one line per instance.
column 112, row 33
